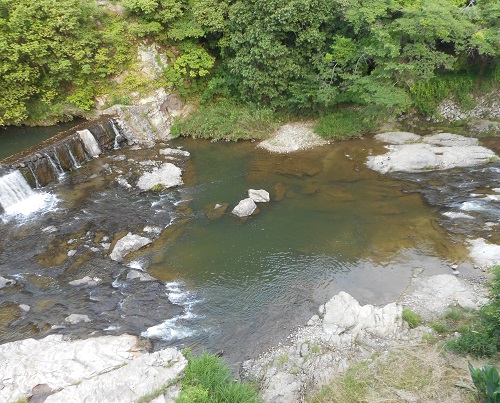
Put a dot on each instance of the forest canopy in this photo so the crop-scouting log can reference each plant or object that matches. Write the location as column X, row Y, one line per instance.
column 291, row 55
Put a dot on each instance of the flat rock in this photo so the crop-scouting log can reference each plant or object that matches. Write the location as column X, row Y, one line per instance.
column 175, row 152
column 259, row 196
column 484, row 253
column 100, row 369
column 142, row 276
column 168, row 175
column 398, row 137
column 432, row 296
column 450, row 140
column 129, row 243
column 245, row 208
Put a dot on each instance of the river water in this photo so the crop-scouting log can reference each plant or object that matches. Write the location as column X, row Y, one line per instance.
column 230, row 284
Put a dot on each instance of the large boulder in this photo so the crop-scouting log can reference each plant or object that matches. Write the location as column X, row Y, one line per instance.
column 129, row 243
column 245, row 208
column 167, row 175
column 100, row 369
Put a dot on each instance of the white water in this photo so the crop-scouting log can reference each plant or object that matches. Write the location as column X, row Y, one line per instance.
column 118, row 136
column 74, row 162
column 56, row 166
column 17, row 197
column 90, row 143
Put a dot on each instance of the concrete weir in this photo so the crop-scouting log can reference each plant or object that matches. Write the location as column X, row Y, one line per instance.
column 67, row 151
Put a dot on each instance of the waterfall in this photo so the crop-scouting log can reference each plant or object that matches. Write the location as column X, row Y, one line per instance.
column 14, row 189
column 89, row 142
column 118, row 136
column 37, row 182
column 55, row 167
column 74, row 162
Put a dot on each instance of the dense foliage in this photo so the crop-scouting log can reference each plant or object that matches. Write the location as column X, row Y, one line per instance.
column 289, row 55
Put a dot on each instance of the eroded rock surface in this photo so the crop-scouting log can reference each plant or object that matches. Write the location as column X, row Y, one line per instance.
column 100, row 369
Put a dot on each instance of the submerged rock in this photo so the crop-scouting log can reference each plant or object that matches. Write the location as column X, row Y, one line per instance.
column 245, row 208
column 175, row 152
column 129, row 243
column 215, row 211
column 101, row 369
column 437, row 152
column 75, row 318
column 142, row 276
column 167, row 175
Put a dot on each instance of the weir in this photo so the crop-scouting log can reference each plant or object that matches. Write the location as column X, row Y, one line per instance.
column 67, row 151
column 14, row 189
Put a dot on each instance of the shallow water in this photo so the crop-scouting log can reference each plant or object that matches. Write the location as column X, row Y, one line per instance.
column 227, row 284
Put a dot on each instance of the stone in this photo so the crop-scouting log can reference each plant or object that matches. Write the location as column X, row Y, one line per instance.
column 278, row 191
column 75, row 318
column 168, row 175
column 245, row 208
column 100, row 369
column 175, row 152
column 6, row 282
column 129, row 243
column 87, row 280
column 398, row 137
column 450, row 140
column 25, row 308
column 259, row 196
column 142, row 276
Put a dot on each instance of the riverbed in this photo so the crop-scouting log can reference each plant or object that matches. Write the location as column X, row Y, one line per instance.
column 231, row 284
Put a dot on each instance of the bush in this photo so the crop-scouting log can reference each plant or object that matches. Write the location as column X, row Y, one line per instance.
column 482, row 337
column 208, row 379
column 413, row 319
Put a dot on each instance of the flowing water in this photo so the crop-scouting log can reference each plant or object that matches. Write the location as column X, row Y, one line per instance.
column 231, row 284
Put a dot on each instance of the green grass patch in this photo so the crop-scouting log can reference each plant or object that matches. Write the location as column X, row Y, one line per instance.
column 224, row 120
column 413, row 319
column 350, row 123
column 208, row 380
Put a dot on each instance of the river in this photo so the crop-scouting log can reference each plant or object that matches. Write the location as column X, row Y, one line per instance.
column 230, row 284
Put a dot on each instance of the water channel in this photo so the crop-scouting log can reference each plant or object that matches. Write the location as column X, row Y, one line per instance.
column 231, row 284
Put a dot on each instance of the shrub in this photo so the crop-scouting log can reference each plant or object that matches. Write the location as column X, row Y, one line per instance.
column 413, row 319
column 487, row 382
column 208, row 379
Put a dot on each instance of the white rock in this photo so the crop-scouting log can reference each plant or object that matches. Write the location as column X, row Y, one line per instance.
column 49, row 229
column 71, row 252
column 25, row 308
column 398, row 137
column 450, row 140
column 87, row 280
column 6, row 282
column 129, row 243
column 62, row 364
column 75, row 318
column 133, row 274
column 259, row 196
column 484, row 253
column 293, row 137
column 245, row 208
column 167, row 175
column 175, row 151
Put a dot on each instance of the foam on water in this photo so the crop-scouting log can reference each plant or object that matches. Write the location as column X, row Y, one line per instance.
column 179, row 327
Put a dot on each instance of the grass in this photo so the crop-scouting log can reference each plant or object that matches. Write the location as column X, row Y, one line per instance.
column 413, row 319
column 224, row 120
column 208, row 380
column 349, row 123
column 412, row 373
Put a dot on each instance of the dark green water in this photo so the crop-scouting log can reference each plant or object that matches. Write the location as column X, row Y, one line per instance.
column 14, row 139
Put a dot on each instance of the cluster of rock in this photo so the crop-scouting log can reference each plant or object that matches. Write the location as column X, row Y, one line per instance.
column 247, row 206
column 343, row 332
column 487, row 106
column 409, row 152
column 100, row 369
column 293, row 137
